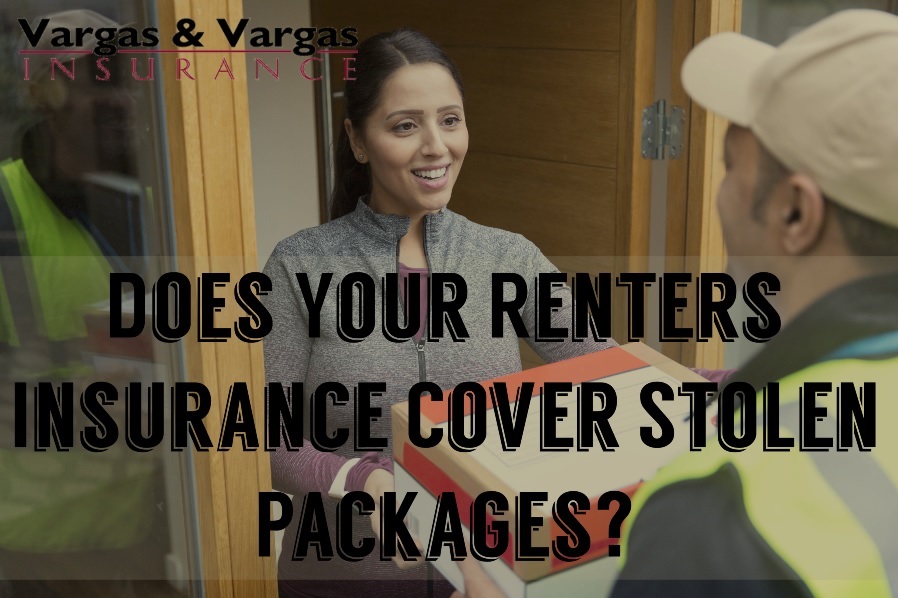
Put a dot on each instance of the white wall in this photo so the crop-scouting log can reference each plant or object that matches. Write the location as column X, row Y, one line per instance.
column 282, row 133
column 774, row 21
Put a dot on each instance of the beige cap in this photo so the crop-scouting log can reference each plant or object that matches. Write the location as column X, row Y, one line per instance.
column 825, row 102
column 69, row 19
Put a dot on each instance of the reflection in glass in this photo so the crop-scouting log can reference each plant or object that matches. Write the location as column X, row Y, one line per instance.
column 82, row 194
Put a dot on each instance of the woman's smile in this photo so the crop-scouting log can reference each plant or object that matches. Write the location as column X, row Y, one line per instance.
column 433, row 177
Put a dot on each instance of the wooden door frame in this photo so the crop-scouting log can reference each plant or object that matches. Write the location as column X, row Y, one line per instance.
column 694, row 241
column 634, row 173
column 207, row 123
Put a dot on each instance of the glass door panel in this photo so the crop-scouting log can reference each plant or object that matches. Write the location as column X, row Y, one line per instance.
column 85, row 192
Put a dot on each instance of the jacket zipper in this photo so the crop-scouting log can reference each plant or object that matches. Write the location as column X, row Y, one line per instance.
column 422, row 365
column 419, row 346
column 422, row 369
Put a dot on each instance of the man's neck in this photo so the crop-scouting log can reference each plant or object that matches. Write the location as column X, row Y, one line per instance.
column 814, row 277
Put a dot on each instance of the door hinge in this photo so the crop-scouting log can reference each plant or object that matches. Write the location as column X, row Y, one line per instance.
column 662, row 130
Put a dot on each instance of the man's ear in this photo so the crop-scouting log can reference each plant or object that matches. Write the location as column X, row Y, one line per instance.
column 802, row 214
column 355, row 140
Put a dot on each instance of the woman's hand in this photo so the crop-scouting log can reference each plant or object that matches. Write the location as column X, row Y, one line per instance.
column 477, row 583
column 378, row 483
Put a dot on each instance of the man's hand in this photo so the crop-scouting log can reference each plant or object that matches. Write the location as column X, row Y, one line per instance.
column 379, row 482
column 477, row 583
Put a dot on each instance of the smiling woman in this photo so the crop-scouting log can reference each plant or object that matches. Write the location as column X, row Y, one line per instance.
column 415, row 154
column 416, row 151
column 401, row 150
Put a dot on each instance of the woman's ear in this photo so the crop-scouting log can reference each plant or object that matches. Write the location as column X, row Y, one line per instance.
column 802, row 214
column 355, row 141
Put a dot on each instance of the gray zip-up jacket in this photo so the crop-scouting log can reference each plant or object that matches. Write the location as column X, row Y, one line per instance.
column 365, row 241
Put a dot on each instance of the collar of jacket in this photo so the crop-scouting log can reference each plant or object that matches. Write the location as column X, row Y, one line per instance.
column 858, row 310
column 392, row 227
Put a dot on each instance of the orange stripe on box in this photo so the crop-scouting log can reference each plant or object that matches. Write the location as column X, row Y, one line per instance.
column 577, row 370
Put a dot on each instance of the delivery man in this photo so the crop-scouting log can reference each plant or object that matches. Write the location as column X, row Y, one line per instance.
column 811, row 194
column 52, row 267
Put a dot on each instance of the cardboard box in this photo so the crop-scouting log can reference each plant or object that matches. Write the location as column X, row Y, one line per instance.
column 594, row 578
column 528, row 469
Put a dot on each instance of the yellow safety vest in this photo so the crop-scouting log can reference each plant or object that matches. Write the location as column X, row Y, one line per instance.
column 62, row 501
column 65, row 269
column 832, row 516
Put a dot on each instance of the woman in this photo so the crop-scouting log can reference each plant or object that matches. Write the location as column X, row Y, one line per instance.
column 401, row 151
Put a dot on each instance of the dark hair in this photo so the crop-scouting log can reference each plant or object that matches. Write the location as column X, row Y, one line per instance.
column 377, row 59
column 865, row 237
column 770, row 172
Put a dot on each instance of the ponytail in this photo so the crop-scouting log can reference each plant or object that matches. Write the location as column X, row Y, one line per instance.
column 352, row 178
